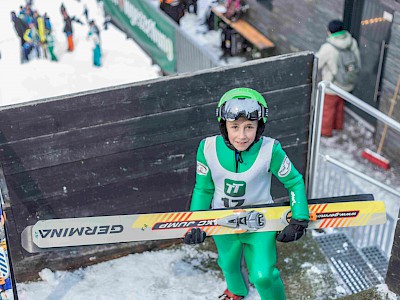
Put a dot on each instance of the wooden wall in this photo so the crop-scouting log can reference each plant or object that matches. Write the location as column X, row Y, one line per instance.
column 390, row 76
column 392, row 141
column 131, row 148
column 393, row 274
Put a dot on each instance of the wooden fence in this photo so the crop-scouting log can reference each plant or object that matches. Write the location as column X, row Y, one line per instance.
column 131, row 149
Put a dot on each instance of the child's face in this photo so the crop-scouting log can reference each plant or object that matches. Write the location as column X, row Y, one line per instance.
column 241, row 133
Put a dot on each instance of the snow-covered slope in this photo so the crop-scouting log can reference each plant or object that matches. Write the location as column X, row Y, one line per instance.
column 123, row 60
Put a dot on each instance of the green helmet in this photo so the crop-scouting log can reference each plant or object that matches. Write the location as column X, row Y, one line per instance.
column 242, row 102
column 242, row 109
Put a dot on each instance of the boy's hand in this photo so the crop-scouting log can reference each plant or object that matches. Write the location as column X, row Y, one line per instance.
column 293, row 231
column 194, row 236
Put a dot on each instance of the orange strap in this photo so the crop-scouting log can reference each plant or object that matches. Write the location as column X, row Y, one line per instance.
column 313, row 216
column 167, row 1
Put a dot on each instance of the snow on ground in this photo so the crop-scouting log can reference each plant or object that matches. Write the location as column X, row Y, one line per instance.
column 194, row 26
column 123, row 60
column 167, row 274
column 196, row 29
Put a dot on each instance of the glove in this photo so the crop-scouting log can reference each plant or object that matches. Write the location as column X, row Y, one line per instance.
column 293, row 231
column 194, row 236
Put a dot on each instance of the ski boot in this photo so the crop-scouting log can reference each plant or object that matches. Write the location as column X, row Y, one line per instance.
column 227, row 295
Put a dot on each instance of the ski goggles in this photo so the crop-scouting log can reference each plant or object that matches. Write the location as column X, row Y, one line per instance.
column 234, row 109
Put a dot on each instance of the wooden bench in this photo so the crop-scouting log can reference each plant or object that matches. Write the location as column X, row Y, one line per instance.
column 246, row 30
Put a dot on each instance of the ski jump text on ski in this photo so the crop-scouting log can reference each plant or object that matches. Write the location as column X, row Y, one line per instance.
column 346, row 211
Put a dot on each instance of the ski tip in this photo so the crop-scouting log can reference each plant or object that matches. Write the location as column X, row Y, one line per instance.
column 27, row 242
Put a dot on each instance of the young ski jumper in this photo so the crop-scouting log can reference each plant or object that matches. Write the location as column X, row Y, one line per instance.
column 234, row 169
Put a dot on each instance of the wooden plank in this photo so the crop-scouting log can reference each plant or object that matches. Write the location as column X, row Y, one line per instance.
column 108, row 172
column 123, row 167
column 253, row 35
column 393, row 274
column 140, row 195
column 81, row 144
column 92, row 108
column 245, row 30
column 126, row 135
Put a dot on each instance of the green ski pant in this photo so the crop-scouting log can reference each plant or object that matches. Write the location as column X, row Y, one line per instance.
column 53, row 56
column 259, row 251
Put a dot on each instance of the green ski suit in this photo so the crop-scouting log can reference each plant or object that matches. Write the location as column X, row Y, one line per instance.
column 259, row 249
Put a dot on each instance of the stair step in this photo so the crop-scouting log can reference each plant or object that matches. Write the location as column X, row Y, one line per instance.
column 356, row 272
column 377, row 258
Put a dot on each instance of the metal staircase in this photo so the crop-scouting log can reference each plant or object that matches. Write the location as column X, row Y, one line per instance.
column 359, row 268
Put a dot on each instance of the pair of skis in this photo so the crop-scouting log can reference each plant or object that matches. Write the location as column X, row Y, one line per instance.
column 347, row 211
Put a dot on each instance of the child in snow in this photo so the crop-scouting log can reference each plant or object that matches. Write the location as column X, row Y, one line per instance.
column 32, row 41
column 94, row 37
column 50, row 46
column 234, row 169
column 68, row 30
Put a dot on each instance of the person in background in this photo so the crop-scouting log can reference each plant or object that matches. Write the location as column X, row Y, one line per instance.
column 93, row 28
column 50, row 46
column 28, row 15
column 235, row 9
column 47, row 22
column 32, row 40
column 173, row 8
column 68, row 30
column 41, row 28
column 95, row 38
column 234, row 169
column 338, row 62
column 20, row 27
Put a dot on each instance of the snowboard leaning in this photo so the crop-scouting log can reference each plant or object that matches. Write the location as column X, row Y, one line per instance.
column 347, row 211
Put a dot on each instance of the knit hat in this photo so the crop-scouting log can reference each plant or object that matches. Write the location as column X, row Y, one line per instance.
column 335, row 26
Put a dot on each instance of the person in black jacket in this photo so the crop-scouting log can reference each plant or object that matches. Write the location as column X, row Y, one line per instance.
column 68, row 31
column 20, row 27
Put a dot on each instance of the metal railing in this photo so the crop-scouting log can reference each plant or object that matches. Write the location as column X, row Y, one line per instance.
column 336, row 179
column 330, row 177
column 318, row 110
column 191, row 56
